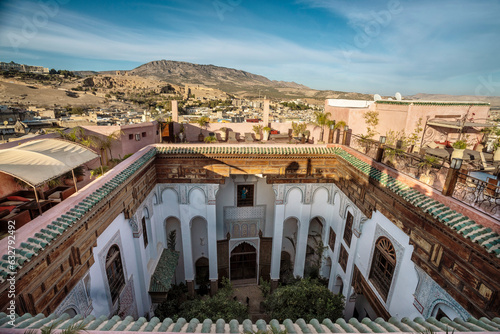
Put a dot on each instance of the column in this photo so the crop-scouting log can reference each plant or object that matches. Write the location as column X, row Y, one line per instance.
column 350, row 301
column 186, row 247
column 303, row 233
column 145, row 305
column 212, row 246
column 279, row 217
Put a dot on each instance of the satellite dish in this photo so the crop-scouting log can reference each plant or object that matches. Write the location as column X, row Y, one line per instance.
column 398, row 96
column 377, row 97
column 390, row 99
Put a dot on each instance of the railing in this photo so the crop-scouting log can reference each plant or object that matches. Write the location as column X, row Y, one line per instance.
column 416, row 166
column 365, row 146
column 482, row 195
column 410, row 164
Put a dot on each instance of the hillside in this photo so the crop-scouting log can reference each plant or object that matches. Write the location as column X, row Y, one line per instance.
column 236, row 82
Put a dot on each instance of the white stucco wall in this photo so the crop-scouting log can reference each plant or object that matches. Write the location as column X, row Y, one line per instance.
column 191, row 220
column 118, row 232
column 400, row 299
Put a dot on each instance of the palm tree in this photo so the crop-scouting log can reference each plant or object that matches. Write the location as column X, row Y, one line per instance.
column 321, row 120
column 104, row 144
column 76, row 134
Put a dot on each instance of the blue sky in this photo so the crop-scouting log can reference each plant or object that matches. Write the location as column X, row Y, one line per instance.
column 446, row 46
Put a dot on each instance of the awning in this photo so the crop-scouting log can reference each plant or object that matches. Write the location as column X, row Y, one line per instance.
column 457, row 124
column 39, row 161
column 164, row 272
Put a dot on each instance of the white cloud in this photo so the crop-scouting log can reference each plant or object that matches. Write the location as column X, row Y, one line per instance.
column 432, row 45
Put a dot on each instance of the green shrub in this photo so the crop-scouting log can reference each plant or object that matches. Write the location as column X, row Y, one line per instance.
column 460, row 144
column 220, row 306
column 306, row 299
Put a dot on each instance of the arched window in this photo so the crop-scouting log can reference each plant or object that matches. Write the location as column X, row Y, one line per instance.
column 144, row 228
column 114, row 271
column 383, row 264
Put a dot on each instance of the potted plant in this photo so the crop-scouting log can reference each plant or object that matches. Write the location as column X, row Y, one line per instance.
column 223, row 133
column 426, row 165
column 265, row 133
column 307, row 134
column 458, row 149
column 202, row 122
column 210, row 139
column 257, row 129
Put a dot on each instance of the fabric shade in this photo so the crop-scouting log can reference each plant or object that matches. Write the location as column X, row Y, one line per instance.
column 39, row 161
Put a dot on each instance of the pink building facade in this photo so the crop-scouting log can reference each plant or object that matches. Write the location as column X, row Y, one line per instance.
column 405, row 115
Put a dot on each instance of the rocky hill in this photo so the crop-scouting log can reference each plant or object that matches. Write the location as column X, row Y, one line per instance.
column 236, row 82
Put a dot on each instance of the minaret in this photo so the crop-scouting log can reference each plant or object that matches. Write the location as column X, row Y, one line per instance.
column 266, row 112
column 175, row 111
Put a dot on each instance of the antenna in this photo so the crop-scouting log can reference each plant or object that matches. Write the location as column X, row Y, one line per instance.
column 377, row 97
column 398, row 96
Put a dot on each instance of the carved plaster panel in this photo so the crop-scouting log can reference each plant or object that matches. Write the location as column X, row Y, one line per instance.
column 135, row 227
column 279, row 193
column 78, row 299
column 183, row 190
column 127, row 305
column 429, row 294
column 244, row 221
column 308, row 190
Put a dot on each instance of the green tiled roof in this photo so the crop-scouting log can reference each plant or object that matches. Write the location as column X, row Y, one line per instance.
column 247, row 150
column 33, row 246
column 463, row 225
column 432, row 103
column 164, row 272
column 103, row 324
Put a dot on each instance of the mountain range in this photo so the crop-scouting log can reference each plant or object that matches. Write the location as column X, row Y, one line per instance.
column 245, row 84
column 233, row 81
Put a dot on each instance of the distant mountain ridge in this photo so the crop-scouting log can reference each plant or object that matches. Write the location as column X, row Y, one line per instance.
column 233, row 81
column 180, row 72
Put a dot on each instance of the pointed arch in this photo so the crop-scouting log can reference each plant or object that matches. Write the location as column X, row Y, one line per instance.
column 291, row 190
column 320, row 188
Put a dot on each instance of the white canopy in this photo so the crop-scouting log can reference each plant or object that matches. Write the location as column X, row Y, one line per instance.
column 39, row 161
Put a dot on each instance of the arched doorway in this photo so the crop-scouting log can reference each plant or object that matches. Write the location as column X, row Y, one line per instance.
column 202, row 275
column 243, row 262
column 173, row 239
column 314, row 251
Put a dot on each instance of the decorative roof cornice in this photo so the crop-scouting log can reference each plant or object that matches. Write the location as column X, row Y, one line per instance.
column 141, row 325
column 432, row 103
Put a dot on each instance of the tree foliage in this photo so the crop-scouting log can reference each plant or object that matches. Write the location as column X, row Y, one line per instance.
column 306, row 299
column 295, row 106
column 220, row 306
column 371, row 121
column 321, row 120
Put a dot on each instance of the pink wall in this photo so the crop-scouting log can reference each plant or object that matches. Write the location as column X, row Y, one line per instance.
column 125, row 145
column 403, row 117
column 192, row 130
